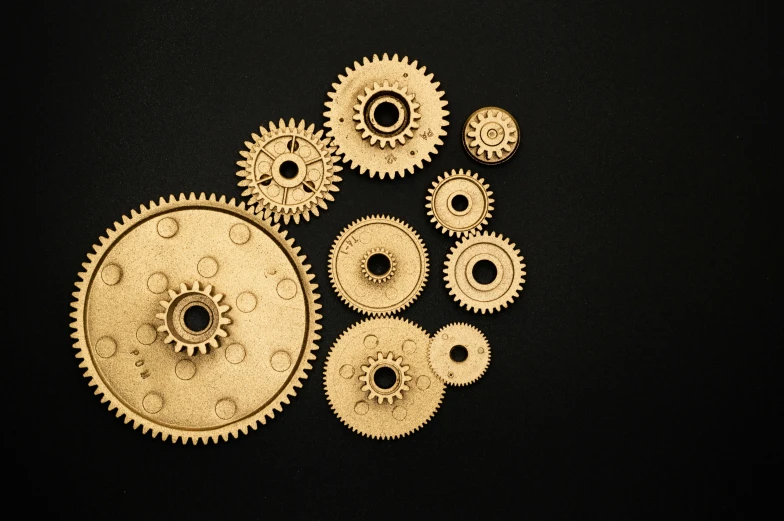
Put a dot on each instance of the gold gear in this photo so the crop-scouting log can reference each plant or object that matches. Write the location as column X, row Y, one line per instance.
column 289, row 171
column 442, row 203
column 390, row 292
column 406, row 344
column 386, row 150
column 256, row 369
column 175, row 325
column 396, row 389
column 491, row 135
column 446, row 344
column 473, row 294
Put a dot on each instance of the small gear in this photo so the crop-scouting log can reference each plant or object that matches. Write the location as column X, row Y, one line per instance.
column 289, row 171
column 491, row 135
column 175, row 323
column 459, row 203
column 416, row 116
column 195, row 244
column 384, row 409
column 464, row 265
column 459, row 354
column 397, row 246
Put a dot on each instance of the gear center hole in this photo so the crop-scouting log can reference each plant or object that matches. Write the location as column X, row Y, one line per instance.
column 197, row 318
column 386, row 114
column 379, row 264
column 484, row 272
column 458, row 353
column 459, row 203
column 289, row 169
column 384, row 378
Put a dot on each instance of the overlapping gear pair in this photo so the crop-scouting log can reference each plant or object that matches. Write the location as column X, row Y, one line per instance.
column 169, row 320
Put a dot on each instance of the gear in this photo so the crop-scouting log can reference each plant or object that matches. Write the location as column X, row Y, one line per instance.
column 387, row 148
column 459, row 354
column 464, row 265
column 222, row 391
column 412, row 396
column 289, row 171
column 390, row 241
column 491, row 135
column 459, row 203
column 175, row 323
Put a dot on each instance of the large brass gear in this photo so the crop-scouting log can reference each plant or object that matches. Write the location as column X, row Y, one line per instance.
column 234, row 383
column 491, row 135
column 464, row 259
column 459, row 203
column 459, row 354
column 378, row 238
column 289, row 171
column 394, row 148
column 358, row 354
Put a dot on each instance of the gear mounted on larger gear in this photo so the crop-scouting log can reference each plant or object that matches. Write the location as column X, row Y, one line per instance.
column 491, row 135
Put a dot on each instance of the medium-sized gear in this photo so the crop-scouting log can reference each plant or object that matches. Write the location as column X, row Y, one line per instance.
column 459, row 203
column 289, row 171
column 175, row 318
column 398, row 383
column 459, row 354
column 491, row 135
column 488, row 253
column 396, row 132
column 378, row 265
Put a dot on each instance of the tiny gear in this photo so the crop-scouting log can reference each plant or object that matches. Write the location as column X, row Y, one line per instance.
column 491, row 135
column 464, row 272
column 393, row 406
column 175, row 376
column 459, row 203
column 386, row 116
column 378, row 265
column 289, row 171
column 459, row 354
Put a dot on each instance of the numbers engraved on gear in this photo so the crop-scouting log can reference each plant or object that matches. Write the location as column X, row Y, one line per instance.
column 139, row 362
column 426, row 134
column 390, row 158
column 348, row 243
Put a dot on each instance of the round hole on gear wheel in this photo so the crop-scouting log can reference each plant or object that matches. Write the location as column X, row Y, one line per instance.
column 458, row 353
column 289, row 169
column 197, row 318
column 386, row 114
column 379, row 264
column 459, row 203
column 384, row 378
column 484, row 272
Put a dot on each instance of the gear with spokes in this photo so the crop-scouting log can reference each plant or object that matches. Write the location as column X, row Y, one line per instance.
column 289, row 171
column 368, row 142
column 253, row 371
column 175, row 318
column 468, row 263
column 491, row 135
column 459, row 354
column 459, row 203
column 396, row 384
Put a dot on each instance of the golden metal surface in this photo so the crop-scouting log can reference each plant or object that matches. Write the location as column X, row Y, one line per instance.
column 460, row 277
column 386, row 148
column 289, row 171
column 447, row 191
column 242, row 272
column 406, row 403
column 491, row 135
column 447, row 365
column 383, row 293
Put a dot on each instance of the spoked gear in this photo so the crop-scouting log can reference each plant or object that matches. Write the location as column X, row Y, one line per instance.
column 175, row 324
column 255, row 369
column 459, row 354
column 289, row 171
column 401, row 145
column 491, row 135
column 467, row 259
column 459, row 203
column 356, row 359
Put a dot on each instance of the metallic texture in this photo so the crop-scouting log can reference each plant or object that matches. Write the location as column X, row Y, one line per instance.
column 491, row 135
column 447, row 191
column 444, row 364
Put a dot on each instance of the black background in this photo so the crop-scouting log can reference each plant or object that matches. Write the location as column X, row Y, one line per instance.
column 633, row 378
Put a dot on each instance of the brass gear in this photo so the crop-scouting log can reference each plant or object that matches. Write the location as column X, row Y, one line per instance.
column 442, row 203
column 300, row 191
column 389, row 292
column 398, row 386
column 447, row 343
column 491, row 135
column 357, row 407
column 473, row 294
column 175, row 325
column 256, row 369
column 386, row 150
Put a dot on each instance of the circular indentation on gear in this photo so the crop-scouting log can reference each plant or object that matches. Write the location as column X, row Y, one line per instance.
column 361, row 408
column 346, row 371
column 225, row 408
column 146, row 334
column 207, row 267
column 235, row 353
column 246, row 302
column 280, row 361
column 370, row 341
column 111, row 274
column 409, row 346
column 399, row 413
column 157, row 283
column 185, row 369
column 287, row 289
column 423, row 382
column 152, row 403
column 239, row 234
column 167, row 227
column 105, row 347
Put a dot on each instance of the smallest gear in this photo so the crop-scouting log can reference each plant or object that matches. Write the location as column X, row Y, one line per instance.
column 459, row 354
column 182, row 312
column 491, row 135
column 385, row 378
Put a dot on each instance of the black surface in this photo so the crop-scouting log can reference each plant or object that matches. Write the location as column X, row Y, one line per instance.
column 633, row 379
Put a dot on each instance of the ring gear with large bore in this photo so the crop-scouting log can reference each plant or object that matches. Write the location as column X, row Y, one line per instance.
column 491, row 135
column 289, row 171
column 448, row 344
column 462, row 264
column 191, row 243
column 385, row 239
column 366, row 141
column 459, row 203
column 359, row 354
